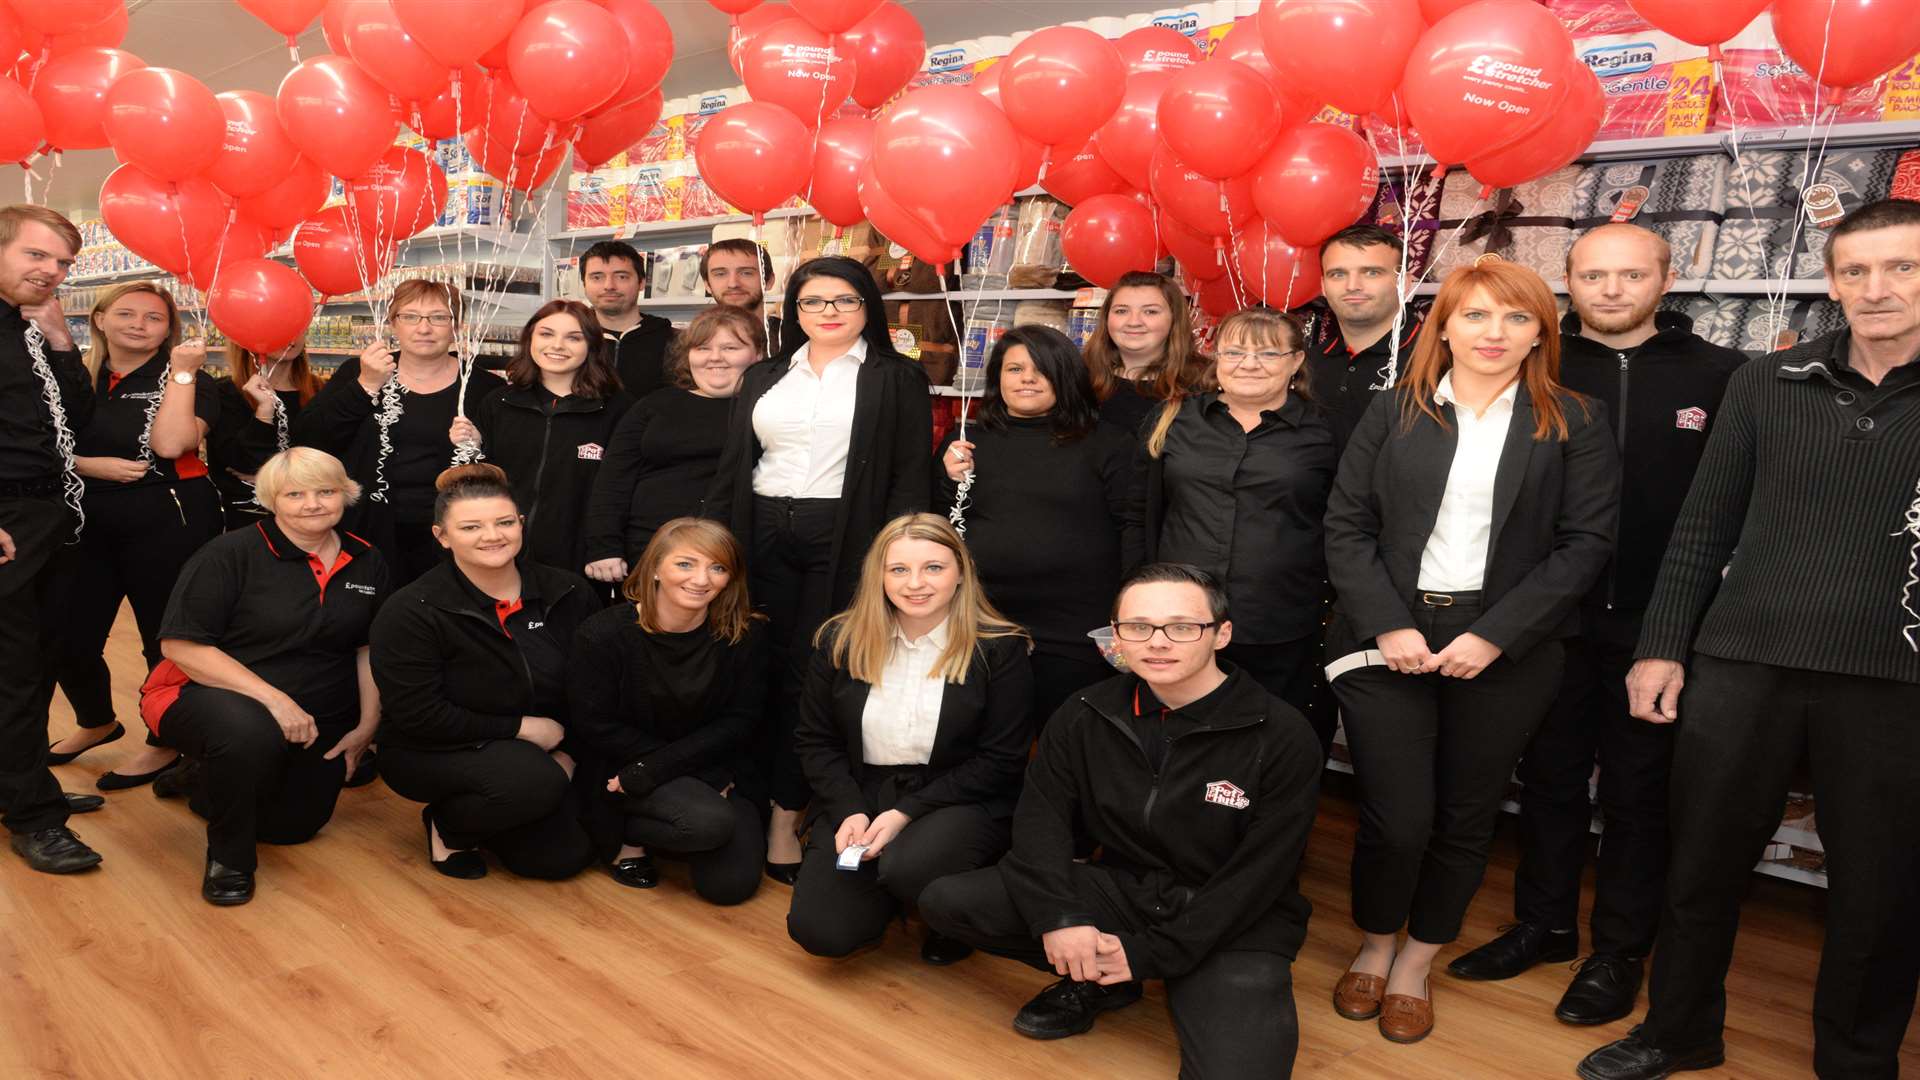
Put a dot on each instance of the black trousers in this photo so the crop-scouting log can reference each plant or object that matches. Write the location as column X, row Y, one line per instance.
column 1233, row 1013
column 1292, row 671
column 135, row 542
column 791, row 580
column 507, row 796
column 837, row 911
column 254, row 784
column 1432, row 756
column 719, row 835
column 30, row 797
column 1743, row 728
column 1589, row 719
column 1057, row 678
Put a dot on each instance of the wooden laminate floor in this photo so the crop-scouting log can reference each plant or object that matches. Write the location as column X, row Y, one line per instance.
column 356, row 960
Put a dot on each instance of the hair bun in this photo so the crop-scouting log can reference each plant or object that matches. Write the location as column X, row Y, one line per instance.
column 479, row 470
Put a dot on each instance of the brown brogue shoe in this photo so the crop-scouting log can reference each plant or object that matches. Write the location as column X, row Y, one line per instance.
column 1357, row 995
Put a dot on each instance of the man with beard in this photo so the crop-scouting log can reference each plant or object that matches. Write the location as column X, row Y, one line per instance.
column 1662, row 384
column 1360, row 277
column 610, row 272
column 738, row 273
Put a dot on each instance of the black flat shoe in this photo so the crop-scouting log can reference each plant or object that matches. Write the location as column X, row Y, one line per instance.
column 225, row 886
column 83, row 804
column 1605, row 990
column 941, row 951
column 55, row 851
column 1520, row 946
column 786, row 873
column 1069, row 1008
column 636, row 873
column 113, row 781
column 61, row 759
column 1632, row 1058
column 465, row 865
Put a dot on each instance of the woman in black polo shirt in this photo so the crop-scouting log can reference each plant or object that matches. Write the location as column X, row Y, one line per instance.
column 149, row 506
column 471, row 662
column 266, row 685
column 259, row 400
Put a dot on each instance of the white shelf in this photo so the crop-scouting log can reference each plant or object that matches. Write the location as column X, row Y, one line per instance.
column 1879, row 132
column 650, row 228
column 1815, row 287
column 82, row 280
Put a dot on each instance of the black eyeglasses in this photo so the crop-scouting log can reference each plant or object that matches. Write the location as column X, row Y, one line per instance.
column 1180, row 633
column 814, row 305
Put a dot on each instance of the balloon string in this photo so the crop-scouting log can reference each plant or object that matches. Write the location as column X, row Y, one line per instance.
column 1776, row 302
column 958, row 514
column 1911, row 528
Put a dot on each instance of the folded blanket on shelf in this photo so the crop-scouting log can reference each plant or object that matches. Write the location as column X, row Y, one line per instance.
column 1769, row 326
column 1533, row 226
column 1462, row 224
column 1763, row 200
column 1717, row 320
column 1860, row 177
column 1419, row 194
column 1685, row 200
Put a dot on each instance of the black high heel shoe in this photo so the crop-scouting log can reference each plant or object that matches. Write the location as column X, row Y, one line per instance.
column 465, row 865
column 636, row 873
column 54, row 758
column 786, row 873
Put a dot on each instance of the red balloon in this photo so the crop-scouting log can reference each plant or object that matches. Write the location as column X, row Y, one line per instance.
column 1061, row 84
column 796, row 67
column 1274, row 272
column 165, row 223
column 108, row 33
column 1033, row 155
column 1243, row 45
column 951, row 155
column 256, row 153
column 1485, row 77
column 846, row 146
column 290, row 17
column 834, row 16
column 521, row 172
column 1317, row 180
column 339, row 117
column 649, row 51
column 1847, row 42
column 459, row 32
column 735, row 7
column 239, row 241
column 1435, row 10
column 1567, row 134
column 395, row 58
column 22, row 128
column 740, row 34
column 1219, row 118
column 1349, row 53
column 261, row 305
column 15, row 38
column 402, row 194
column 607, row 136
column 1158, row 48
column 335, row 257
column 1127, row 141
column 567, row 56
column 72, row 92
column 899, row 225
column 887, row 47
column 1107, row 236
column 443, row 117
column 1199, row 255
column 297, row 197
column 495, row 59
column 1195, row 200
column 165, row 121
column 66, row 16
column 1221, row 296
column 508, row 117
column 333, row 26
column 1074, row 178
column 1699, row 23
column 755, row 155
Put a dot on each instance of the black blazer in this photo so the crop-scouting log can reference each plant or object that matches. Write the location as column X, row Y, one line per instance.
column 887, row 472
column 1554, row 505
column 979, row 748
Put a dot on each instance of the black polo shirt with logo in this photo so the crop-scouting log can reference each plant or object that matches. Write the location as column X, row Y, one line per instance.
column 120, row 415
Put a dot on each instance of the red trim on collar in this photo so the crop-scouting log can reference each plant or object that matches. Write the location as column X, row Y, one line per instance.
column 504, row 609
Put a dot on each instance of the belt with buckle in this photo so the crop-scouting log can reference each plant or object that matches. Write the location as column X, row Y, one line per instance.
column 1440, row 599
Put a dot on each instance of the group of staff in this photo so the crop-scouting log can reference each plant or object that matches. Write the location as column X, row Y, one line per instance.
column 654, row 593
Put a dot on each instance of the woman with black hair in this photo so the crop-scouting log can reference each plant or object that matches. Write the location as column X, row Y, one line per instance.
column 549, row 427
column 825, row 444
column 1046, row 511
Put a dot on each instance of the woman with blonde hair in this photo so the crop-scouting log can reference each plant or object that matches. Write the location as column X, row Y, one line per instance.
column 259, row 400
column 148, row 506
column 267, row 685
column 665, row 691
column 1141, row 352
column 914, row 727
column 1474, row 507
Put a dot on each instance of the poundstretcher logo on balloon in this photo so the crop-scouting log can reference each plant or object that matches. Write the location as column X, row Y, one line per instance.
column 1512, row 74
column 807, row 54
column 1177, row 59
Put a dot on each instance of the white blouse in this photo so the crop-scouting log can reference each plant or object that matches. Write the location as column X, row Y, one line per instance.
column 903, row 709
column 805, row 426
column 1455, row 559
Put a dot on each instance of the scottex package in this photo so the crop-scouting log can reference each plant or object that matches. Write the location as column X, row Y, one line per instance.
column 1766, row 88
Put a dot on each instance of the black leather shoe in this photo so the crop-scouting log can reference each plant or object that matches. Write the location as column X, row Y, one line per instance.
column 55, row 851
column 786, row 873
column 226, row 886
column 113, row 781
column 177, row 782
column 1632, row 1059
column 941, row 951
column 1068, row 1008
column 636, row 873
column 1519, row 947
column 83, row 804
column 465, row 865
column 1604, row 990
column 61, row 759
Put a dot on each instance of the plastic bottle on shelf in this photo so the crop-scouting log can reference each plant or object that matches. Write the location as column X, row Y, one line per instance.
column 985, row 326
column 990, row 255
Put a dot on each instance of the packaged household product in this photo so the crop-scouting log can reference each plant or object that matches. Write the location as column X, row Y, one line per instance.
column 1190, row 20
column 1683, row 199
column 1052, row 313
column 985, row 326
column 951, row 65
column 990, row 255
column 1037, row 258
column 1767, row 87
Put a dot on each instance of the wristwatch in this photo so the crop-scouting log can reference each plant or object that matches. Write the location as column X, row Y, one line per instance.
column 184, row 378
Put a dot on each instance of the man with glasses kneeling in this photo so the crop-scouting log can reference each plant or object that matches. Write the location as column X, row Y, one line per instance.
column 1199, row 788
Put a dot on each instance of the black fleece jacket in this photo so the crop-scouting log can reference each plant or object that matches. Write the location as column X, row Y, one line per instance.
column 551, row 450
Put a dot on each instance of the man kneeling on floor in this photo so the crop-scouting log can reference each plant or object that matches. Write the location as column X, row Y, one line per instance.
column 1199, row 789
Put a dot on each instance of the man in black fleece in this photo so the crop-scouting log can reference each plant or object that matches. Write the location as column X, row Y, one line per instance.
column 1662, row 385
column 1200, row 789
column 1802, row 642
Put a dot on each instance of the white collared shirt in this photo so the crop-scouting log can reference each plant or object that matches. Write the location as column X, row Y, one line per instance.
column 805, row 427
column 1455, row 559
column 903, row 709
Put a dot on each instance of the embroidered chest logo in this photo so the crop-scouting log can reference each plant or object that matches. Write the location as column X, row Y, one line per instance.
column 590, row 451
column 1227, row 793
column 1693, row 419
column 354, row 586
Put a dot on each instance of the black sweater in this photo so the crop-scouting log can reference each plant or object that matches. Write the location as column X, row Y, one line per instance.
column 1806, row 497
column 26, row 426
column 656, row 707
column 241, row 443
column 1044, row 523
column 1664, row 397
column 1221, row 864
column 552, row 450
column 640, row 354
column 658, row 467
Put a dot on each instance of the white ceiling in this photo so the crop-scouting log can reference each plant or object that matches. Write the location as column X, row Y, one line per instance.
column 228, row 49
